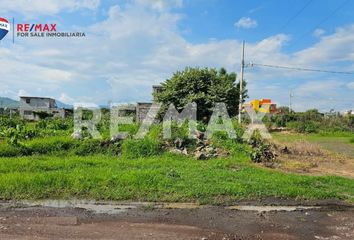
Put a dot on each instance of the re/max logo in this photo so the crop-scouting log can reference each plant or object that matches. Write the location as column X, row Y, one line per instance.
column 36, row 27
column 4, row 25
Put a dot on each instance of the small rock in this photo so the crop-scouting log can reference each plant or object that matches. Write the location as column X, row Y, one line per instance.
column 199, row 134
column 285, row 150
column 179, row 143
column 200, row 156
column 175, row 151
column 209, row 150
column 200, row 148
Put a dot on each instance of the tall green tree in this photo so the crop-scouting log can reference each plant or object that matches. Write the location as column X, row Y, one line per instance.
column 204, row 86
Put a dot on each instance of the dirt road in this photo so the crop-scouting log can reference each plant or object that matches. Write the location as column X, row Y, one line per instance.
column 270, row 219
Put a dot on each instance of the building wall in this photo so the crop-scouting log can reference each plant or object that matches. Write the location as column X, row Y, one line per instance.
column 141, row 111
column 37, row 103
column 29, row 106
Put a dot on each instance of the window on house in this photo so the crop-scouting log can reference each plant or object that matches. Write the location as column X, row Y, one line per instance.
column 28, row 100
column 27, row 112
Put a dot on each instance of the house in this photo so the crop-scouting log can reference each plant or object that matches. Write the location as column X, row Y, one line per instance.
column 139, row 110
column 142, row 108
column 156, row 89
column 32, row 108
column 261, row 105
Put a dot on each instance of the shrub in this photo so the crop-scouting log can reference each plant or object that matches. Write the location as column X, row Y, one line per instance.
column 155, row 133
column 136, row 148
column 305, row 127
column 7, row 122
column 131, row 129
column 7, row 150
column 43, row 115
column 261, row 150
column 239, row 130
column 180, row 134
column 49, row 145
column 352, row 140
column 12, row 135
column 87, row 147
column 56, row 124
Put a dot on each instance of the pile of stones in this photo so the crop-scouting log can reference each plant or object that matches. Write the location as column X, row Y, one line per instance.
column 203, row 150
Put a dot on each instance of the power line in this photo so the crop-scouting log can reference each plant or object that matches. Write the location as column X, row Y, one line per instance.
column 323, row 20
column 297, row 14
column 298, row 68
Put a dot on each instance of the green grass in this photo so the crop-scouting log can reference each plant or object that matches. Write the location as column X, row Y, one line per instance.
column 159, row 178
column 343, row 137
column 339, row 143
column 62, row 145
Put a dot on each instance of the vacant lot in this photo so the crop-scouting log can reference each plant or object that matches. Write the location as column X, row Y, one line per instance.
column 40, row 160
column 340, row 143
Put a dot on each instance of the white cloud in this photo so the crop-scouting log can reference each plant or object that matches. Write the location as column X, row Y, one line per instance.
column 161, row 4
column 66, row 99
column 318, row 32
column 246, row 22
column 334, row 48
column 22, row 92
column 350, row 85
column 31, row 8
column 318, row 87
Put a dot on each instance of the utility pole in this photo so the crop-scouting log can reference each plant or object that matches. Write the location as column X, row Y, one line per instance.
column 290, row 100
column 241, row 80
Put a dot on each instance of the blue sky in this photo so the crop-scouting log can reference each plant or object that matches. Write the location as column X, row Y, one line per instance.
column 131, row 45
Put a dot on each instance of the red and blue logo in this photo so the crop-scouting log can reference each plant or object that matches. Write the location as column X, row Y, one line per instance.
column 4, row 27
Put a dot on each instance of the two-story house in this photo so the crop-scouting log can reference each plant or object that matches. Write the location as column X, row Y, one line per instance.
column 32, row 107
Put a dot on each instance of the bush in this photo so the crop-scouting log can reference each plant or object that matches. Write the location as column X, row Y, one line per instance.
column 131, row 129
column 239, row 130
column 261, row 150
column 352, row 140
column 222, row 140
column 49, row 145
column 59, row 145
column 180, row 134
column 7, row 122
column 136, row 148
column 7, row 150
column 155, row 133
column 88, row 147
column 304, row 127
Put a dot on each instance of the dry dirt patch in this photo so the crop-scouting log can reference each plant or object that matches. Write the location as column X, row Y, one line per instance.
column 306, row 157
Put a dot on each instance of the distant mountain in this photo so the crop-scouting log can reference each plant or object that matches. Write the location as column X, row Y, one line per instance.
column 8, row 103
column 63, row 105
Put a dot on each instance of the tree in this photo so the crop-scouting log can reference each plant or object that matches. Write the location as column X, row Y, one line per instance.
column 204, row 86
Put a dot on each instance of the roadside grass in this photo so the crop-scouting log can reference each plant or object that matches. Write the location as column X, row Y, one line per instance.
column 166, row 177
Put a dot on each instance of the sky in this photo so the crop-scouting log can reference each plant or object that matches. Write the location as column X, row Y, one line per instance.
column 131, row 45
